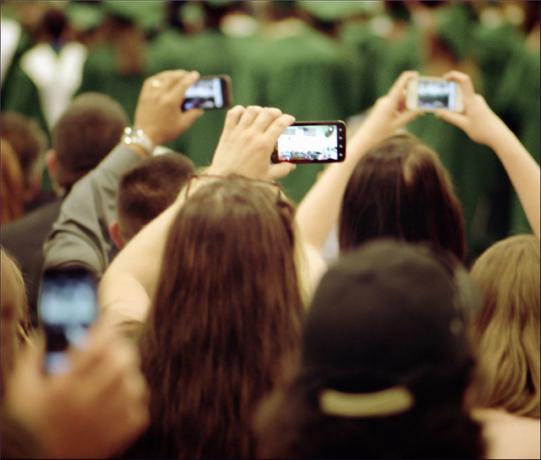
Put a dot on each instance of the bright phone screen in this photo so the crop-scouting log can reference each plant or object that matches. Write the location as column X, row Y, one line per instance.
column 313, row 143
column 436, row 94
column 204, row 94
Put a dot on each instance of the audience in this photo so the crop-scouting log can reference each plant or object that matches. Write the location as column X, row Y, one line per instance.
column 84, row 134
column 145, row 191
column 241, row 345
column 384, row 368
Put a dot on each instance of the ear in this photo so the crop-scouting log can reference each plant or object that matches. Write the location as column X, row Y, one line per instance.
column 114, row 233
column 52, row 163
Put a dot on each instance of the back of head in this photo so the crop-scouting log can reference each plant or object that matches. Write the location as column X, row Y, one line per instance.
column 85, row 133
column 385, row 363
column 400, row 189
column 227, row 309
column 14, row 315
column 148, row 189
column 11, row 185
column 27, row 140
column 506, row 330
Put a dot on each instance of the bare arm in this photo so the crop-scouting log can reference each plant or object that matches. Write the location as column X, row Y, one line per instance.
column 482, row 125
column 319, row 210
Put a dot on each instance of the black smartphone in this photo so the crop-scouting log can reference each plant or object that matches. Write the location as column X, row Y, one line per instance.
column 312, row 142
column 67, row 307
column 209, row 93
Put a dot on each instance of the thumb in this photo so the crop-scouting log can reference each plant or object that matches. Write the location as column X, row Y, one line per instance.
column 190, row 117
column 453, row 118
column 404, row 118
column 277, row 171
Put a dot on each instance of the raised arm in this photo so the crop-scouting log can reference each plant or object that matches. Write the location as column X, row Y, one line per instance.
column 245, row 148
column 483, row 126
column 319, row 210
column 80, row 234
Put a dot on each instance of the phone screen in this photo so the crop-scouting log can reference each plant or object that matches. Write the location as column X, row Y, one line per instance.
column 67, row 307
column 433, row 94
column 207, row 94
column 311, row 143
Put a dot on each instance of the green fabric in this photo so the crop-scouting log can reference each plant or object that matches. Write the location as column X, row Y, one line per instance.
column 100, row 74
column 147, row 14
column 307, row 75
column 454, row 27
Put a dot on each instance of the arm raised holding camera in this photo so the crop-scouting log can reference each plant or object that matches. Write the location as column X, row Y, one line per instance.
column 483, row 126
column 318, row 212
column 245, row 147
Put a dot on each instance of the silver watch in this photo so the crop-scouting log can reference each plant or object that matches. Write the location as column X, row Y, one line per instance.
column 138, row 137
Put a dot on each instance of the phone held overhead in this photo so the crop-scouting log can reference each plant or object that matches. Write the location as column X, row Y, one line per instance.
column 67, row 307
column 429, row 94
column 312, row 142
column 209, row 93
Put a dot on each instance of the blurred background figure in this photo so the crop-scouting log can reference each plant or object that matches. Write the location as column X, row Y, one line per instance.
column 313, row 59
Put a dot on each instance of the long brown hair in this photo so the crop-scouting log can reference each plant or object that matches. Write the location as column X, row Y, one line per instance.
column 11, row 185
column 227, row 310
column 506, row 330
column 400, row 189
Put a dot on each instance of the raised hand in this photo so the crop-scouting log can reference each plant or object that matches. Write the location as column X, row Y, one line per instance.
column 158, row 111
column 247, row 142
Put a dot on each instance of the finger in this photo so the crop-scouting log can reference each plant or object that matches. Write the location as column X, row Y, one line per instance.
column 265, row 118
column 278, row 126
column 233, row 117
column 406, row 117
column 161, row 78
column 249, row 115
column 453, row 118
column 191, row 116
column 277, row 171
column 181, row 84
column 463, row 80
column 399, row 85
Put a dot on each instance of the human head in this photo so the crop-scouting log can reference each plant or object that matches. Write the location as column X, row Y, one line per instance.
column 146, row 190
column 506, row 329
column 11, row 186
column 227, row 309
column 28, row 141
column 385, row 363
column 400, row 189
column 14, row 315
column 85, row 133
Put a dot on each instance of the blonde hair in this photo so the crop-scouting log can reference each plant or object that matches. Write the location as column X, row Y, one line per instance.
column 14, row 315
column 506, row 330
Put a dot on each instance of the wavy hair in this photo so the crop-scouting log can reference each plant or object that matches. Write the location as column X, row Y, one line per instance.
column 506, row 330
column 227, row 310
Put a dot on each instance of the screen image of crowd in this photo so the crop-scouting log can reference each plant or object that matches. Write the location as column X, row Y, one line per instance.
column 435, row 95
column 314, row 143
column 205, row 94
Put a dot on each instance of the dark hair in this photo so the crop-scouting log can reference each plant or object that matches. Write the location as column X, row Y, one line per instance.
column 381, row 335
column 148, row 189
column 400, row 189
column 85, row 133
column 227, row 309
column 26, row 138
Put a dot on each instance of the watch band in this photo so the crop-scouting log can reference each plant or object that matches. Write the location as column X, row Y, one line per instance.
column 138, row 137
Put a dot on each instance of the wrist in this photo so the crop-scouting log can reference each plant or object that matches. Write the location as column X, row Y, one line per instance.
column 138, row 140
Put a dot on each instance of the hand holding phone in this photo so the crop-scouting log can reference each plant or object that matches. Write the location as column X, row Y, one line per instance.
column 67, row 307
column 430, row 94
column 312, row 142
column 208, row 93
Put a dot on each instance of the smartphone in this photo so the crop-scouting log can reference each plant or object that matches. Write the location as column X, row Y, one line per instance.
column 208, row 93
column 429, row 94
column 67, row 306
column 312, row 142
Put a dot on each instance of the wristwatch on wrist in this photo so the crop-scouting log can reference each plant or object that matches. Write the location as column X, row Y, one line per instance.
column 137, row 136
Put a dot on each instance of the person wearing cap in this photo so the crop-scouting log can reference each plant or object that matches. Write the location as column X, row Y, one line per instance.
column 385, row 363
column 85, row 133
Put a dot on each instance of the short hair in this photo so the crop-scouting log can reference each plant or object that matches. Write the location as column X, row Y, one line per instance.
column 85, row 133
column 506, row 329
column 400, row 189
column 26, row 138
column 148, row 189
column 227, row 309
column 11, row 184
